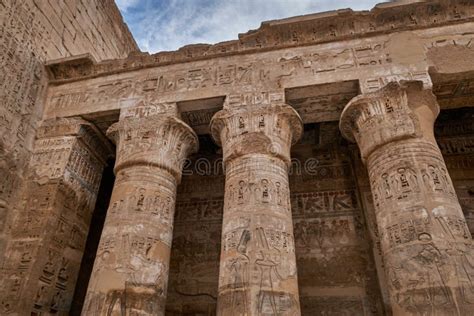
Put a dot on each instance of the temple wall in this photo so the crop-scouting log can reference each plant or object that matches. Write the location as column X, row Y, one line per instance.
column 336, row 268
column 194, row 267
column 454, row 131
column 335, row 235
column 32, row 33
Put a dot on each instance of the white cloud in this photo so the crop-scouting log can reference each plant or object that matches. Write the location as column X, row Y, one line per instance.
column 124, row 5
column 168, row 25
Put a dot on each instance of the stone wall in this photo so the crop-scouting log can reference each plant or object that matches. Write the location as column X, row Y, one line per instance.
column 336, row 269
column 32, row 33
column 337, row 242
column 455, row 135
column 195, row 253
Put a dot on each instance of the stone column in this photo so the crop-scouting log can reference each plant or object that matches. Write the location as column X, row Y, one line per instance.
column 49, row 232
column 258, row 265
column 130, row 273
column 426, row 246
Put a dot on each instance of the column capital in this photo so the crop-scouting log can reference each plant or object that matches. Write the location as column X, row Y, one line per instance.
column 399, row 110
column 269, row 130
column 162, row 141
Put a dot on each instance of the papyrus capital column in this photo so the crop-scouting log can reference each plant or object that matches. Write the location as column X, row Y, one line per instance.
column 130, row 272
column 426, row 245
column 258, row 266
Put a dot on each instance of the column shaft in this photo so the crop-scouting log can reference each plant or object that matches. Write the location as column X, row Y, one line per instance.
column 131, row 267
column 258, row 274
column 130, row 273
column 427, row 246
column 258, row 264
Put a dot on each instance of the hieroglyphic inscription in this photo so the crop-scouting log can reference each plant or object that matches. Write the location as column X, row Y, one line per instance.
column 134, row 250
column 258, row 248
column 63, row 186
column 425, row 241
column 227, row 77
column 335, row 202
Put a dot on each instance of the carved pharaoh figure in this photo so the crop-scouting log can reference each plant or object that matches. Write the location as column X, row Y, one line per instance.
column 397, row 143
column 257, row 277
column 132, row 274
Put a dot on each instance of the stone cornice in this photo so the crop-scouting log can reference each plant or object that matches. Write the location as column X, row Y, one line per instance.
column 291, row 32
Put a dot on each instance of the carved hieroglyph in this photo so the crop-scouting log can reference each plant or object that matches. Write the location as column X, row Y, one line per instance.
column 47, row 245
column 258, row 266
column 426, row 245
column 130, row 272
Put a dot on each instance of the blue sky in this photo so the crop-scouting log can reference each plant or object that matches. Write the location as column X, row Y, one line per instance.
column 163, row 25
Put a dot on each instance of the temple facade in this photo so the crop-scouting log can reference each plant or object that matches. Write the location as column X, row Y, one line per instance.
column 319, row 165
